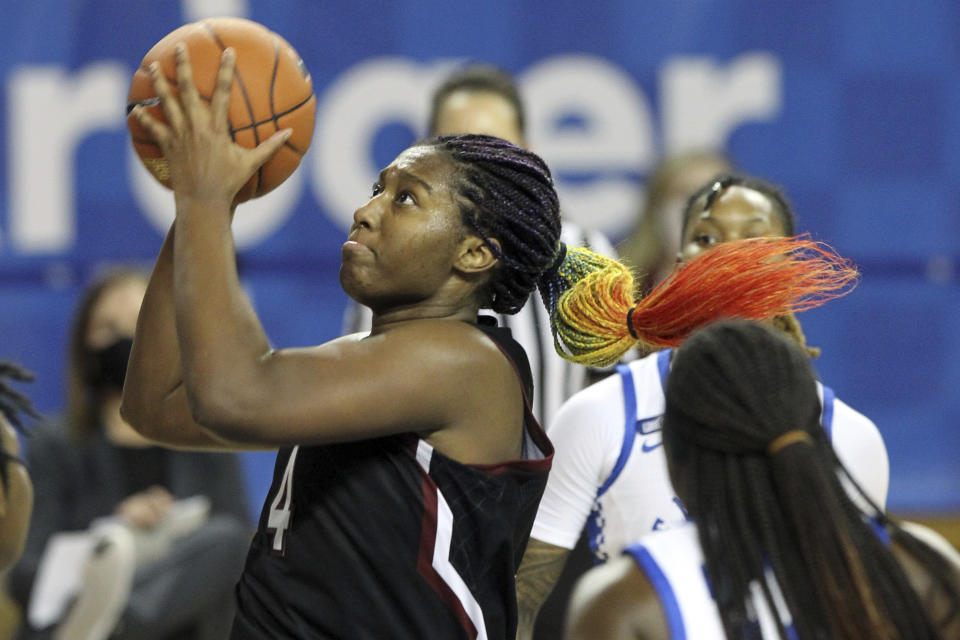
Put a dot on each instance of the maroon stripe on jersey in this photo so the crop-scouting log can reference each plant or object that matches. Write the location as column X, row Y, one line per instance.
column 428, row 539
column 529, row 465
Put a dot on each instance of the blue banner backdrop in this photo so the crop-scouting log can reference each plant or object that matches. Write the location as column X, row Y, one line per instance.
column 853, row 107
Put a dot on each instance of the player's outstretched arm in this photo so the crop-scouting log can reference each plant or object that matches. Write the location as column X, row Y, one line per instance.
column 242, row 390
column 154, row 399
column 539, row 570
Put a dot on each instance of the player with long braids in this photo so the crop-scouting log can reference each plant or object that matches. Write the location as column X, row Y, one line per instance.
column 481, row 98
column 609, row 474
column 776, row 548
column 410, row 465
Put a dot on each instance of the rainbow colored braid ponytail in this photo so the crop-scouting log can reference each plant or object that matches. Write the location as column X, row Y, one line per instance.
column 596, row 318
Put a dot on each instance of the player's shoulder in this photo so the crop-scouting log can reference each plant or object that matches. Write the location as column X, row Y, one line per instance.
column 437, row 352
column 850, row 420
column 591, row 417
column 607, row 395
column 853, row 433
column 643, row 371
column 604, row 390
column 650, row 367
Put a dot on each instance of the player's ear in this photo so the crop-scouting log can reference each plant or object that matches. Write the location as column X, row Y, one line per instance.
column 474, row 254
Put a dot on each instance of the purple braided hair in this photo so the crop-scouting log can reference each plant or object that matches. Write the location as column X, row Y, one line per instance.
column 507, row 193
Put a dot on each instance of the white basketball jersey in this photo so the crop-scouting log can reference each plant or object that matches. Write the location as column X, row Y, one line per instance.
column 637, row 498
column 673, row 561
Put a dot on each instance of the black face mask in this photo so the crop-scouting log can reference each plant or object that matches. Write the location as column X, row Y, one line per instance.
column 107, row 367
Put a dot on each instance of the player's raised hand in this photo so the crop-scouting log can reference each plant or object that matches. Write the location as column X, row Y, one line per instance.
column 204, row 161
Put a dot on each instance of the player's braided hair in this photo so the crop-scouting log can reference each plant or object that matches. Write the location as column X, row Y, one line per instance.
column 506, row 196
column 760, row 478
column 506, row 192
column 12, row 405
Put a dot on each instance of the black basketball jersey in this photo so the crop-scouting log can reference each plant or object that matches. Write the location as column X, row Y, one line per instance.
column 388, row 538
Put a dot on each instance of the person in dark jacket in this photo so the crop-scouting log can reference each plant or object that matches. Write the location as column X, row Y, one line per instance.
column 162, row 566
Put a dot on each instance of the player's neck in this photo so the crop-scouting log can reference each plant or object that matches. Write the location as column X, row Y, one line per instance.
column 387, row 320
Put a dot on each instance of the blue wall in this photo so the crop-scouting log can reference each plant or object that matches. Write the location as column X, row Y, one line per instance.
column 853, row 107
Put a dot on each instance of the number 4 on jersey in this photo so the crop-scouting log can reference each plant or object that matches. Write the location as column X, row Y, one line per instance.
column 278, row 518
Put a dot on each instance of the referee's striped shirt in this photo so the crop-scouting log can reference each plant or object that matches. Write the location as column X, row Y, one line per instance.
column 554, row 379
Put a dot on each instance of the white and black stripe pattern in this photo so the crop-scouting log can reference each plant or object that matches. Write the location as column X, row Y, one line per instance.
column 434, row 564
column 554, row 379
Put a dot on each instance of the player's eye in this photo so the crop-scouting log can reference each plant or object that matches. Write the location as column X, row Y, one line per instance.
column 405, row 197
column 376, row 190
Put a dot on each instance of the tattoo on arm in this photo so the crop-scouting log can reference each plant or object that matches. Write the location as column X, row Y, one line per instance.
column 541, row 566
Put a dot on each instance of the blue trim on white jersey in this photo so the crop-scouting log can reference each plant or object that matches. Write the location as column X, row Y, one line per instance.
column 826, row 417
column 663, row 366
column 881, row 532
column 629, row 425
column 662, row 586
column 595, row 534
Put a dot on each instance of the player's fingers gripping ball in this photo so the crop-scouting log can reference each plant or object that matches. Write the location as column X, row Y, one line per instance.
column 271, row 91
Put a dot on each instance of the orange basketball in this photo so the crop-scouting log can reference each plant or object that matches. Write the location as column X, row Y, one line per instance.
column 271, row 90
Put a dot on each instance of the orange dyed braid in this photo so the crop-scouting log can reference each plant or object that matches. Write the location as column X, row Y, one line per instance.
column 755, row 279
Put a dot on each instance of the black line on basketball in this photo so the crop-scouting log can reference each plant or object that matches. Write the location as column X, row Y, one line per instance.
column 279, row 115
column 273, row 80
column 243, row 91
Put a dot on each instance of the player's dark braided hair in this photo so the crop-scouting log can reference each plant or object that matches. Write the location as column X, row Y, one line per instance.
column 12, row 405
column 757, row 472
column 506, row 193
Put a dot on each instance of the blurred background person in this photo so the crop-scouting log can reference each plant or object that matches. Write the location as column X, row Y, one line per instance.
column 776, row 547
column 160, row 567
column 654, row 241
column 608, row 472
column 481, row 98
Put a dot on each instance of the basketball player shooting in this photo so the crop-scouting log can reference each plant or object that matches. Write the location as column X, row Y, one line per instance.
column 409, row 461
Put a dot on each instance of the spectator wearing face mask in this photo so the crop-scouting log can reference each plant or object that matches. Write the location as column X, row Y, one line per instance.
column 160, row 566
